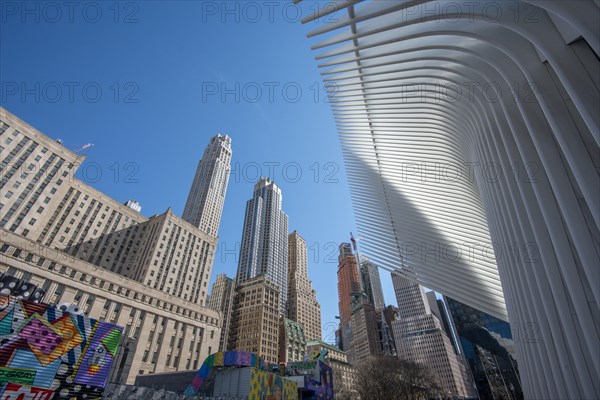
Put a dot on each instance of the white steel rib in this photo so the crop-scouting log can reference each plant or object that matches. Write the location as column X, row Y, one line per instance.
column 470, row 133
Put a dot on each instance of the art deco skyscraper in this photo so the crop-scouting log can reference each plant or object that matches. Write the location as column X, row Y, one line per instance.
column 205, row 201
column 303, row 306
column 264, row 249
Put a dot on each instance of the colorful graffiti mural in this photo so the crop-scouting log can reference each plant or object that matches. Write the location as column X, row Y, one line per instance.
column 269, row 386
column 263, row 384
column 323, row 388
column 47, row 353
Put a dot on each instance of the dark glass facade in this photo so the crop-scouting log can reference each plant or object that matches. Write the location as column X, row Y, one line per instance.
column 488, row 346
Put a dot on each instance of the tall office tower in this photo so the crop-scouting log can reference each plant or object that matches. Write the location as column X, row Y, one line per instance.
column 221, row 299
column 371, row 282
column 303, row 306
column 488, row 345
column 205, row 201
column 264, row 249
column 419, row 337
column 366, row 340
column 254, row 323
column 348, row 285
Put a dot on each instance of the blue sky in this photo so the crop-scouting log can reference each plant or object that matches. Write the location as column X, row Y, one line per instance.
column 148, row 83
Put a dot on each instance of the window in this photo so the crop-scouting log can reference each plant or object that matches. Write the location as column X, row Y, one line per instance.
column 9, row 194
column 17, row 184
column 40, row 209
column 47, row 200
column 32, row 221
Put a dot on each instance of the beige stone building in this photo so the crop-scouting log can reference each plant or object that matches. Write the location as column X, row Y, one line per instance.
column 163, row 333
column 221, row 299
column 147, row 274
column 254, row 323
column 303, row 306
column 41, row 200
column 292, row 341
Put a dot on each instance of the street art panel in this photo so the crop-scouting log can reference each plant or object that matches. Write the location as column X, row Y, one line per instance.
column 323, row 388
column 49, row 353
column 264, row 385
column 269, row 386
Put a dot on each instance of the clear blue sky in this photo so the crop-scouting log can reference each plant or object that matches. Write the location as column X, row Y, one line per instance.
column 144, row 82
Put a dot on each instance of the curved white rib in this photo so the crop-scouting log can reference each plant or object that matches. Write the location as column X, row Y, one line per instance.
column 536, row 231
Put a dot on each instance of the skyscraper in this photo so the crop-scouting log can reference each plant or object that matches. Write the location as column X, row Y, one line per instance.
column 348, row 285
column 205, row 201
column 420, row 337
column 303, row 306
column 221, row 299
column 371, row 282
column 264, row 249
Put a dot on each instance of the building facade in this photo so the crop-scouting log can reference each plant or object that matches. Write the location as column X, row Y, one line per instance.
column 371, row 282
column 366, row 340
column 162, row 332
column 86, row 248
column 292, row 340
column 420, row 337
column 254, row 323
column 43, row 201
column 264, row 247
column 221, row 299
column 489, row 348
column 303, row 306
column 205, row 201
column 348, row 284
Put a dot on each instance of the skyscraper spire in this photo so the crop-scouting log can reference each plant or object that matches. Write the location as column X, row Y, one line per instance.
column 205, row 201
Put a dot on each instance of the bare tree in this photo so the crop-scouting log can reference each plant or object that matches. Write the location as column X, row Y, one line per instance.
column 391, row 378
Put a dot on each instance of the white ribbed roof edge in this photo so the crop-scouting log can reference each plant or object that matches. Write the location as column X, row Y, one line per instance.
column 470, row 133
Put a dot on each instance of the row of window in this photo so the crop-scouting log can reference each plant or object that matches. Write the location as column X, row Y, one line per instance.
column 102, row 284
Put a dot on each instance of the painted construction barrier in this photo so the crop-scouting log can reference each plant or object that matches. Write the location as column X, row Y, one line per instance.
column 263, row 384
column 47, row 353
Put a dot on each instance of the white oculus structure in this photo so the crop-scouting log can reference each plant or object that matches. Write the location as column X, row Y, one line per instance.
column 470, row 132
